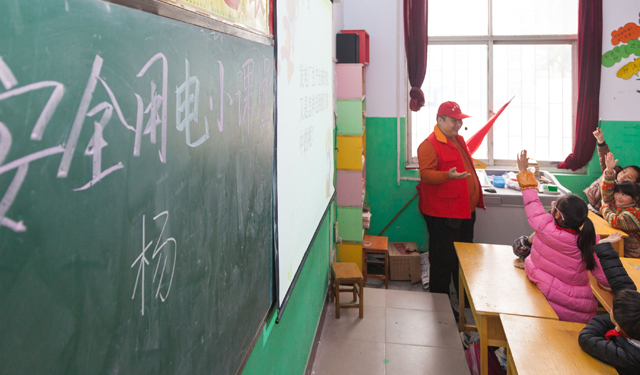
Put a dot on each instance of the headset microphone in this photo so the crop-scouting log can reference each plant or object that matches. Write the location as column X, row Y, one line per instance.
column 465, row 128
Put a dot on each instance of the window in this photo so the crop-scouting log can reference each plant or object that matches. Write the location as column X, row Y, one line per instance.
column 483, row 52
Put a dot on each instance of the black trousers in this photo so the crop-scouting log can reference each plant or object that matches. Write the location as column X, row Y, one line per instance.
column 443, row 232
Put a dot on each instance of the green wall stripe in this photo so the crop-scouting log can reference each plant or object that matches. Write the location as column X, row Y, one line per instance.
column 286, row 346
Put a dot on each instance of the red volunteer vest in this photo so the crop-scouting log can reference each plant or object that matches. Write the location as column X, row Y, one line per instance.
column 449, row 199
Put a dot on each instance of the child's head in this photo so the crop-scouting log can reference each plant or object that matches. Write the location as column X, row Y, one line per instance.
column 573, row 214
column 626, row 312
column 572, row 211
column 626, row 193
column 630, row 173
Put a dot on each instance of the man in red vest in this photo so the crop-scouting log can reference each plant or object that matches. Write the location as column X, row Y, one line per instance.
column 449, row 194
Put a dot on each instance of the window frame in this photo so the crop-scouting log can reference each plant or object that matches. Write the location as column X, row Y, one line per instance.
column 490, row 40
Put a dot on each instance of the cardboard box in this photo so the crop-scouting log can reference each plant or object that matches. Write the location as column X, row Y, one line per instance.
column 404, row 261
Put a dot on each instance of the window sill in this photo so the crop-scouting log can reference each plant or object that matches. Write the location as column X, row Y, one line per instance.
column 550, row 169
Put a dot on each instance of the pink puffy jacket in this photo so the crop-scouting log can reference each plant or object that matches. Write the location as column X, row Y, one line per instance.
column 556, row 266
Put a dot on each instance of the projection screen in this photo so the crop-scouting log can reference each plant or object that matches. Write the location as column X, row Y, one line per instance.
column 304, row 133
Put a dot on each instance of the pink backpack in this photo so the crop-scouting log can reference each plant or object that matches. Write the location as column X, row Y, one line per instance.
column 473, row 359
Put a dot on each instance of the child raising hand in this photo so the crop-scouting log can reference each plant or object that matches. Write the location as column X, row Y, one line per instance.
column 562, row 250
column 630, row 173
column 620, row 206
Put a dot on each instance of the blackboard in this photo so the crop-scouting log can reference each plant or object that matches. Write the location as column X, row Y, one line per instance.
column 136, row 189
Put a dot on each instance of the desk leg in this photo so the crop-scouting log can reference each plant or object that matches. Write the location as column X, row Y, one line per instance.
column 484, row 347
column 511, row 370
column 364, row 266
column 333, row 287
column 461, row 297
column 386, row 270
column 620, row 247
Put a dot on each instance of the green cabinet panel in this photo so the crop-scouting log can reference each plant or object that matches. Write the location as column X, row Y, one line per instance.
column 350, row 224
column 351, row 117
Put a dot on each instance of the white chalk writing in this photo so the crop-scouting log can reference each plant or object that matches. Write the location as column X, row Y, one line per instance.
column 165, row 252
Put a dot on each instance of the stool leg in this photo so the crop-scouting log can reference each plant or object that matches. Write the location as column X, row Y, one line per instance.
column 355, row 295
column 337, row 291
column 361, row 299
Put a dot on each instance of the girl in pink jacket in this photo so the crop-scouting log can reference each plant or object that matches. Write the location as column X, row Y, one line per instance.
column 561, row 255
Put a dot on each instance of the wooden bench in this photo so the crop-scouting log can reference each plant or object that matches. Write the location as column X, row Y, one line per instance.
column 346, row 277
column 546, row 346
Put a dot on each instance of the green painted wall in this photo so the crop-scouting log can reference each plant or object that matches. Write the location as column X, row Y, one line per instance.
column 384, row 195
column 623, row 138
column 284, row 348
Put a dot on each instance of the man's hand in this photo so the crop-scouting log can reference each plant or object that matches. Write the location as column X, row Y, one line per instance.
column 613, row 237
column 611, row 163
column 599, row 136
column 455, row 175
column 523, row 161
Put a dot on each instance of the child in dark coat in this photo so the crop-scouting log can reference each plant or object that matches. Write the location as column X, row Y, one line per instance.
column 615, row 338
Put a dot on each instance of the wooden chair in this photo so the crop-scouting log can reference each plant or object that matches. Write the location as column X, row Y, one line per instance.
column 375, row 245
column 346, row 277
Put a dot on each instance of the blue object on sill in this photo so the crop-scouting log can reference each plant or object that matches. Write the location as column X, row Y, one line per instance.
column 498, row 181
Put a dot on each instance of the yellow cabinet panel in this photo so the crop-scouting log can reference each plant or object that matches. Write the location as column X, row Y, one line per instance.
column 349, row 152
column 350, row 252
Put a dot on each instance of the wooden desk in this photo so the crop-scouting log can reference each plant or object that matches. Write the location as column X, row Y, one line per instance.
column 632, row 265
column 543, row 346
column 494, row 286
column 375, row 245
column 604, row 230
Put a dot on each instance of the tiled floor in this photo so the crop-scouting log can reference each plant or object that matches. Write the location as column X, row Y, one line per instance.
column 402, row 332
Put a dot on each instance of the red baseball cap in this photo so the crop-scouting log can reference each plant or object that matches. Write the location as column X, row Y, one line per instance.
column 451, row 109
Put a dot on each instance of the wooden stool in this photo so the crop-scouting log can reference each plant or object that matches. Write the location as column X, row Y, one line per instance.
column 375, row 245
column 348, row 275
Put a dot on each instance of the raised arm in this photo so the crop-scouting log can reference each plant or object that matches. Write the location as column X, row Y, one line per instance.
column 529, row 186
column 608, row 180
column 603, row 148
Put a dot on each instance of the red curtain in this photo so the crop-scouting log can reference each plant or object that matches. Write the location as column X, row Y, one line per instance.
column 415, row 45
column 589, row 60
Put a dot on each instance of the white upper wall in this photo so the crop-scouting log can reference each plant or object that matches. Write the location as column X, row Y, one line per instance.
column 338, row 23
column 618, row 96
column 380, row 18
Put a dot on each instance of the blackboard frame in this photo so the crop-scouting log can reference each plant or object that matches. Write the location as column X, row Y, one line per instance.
column 167, row 10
